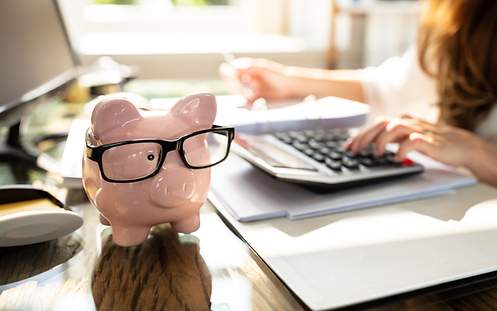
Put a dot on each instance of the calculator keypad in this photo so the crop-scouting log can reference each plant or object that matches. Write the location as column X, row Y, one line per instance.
column 326, row 146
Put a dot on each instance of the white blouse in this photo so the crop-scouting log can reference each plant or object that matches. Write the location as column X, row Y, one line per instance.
column 399, row 86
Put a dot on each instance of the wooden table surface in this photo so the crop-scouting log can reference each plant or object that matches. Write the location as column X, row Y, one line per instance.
column 211, row 269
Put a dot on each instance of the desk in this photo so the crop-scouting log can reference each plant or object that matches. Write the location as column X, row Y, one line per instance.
column 211, row 269
column 170, row 272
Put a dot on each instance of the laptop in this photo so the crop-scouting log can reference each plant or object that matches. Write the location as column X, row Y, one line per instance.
column 318, row 160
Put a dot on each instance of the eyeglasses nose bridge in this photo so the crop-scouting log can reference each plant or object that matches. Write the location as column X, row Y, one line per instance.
column 178, row 146
column 166, row 149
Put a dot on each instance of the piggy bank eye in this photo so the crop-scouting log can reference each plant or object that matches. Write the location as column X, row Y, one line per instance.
column 150, row 157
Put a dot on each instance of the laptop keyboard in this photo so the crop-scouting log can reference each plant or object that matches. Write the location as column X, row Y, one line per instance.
column 326, row 147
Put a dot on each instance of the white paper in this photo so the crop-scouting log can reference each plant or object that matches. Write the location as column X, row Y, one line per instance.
column 325, row 113
column 251, row 194
column 343, row 259
column 72, row 158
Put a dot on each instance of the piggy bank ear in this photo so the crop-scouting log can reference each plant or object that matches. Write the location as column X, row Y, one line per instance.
column 112, row 113
column 199, row 110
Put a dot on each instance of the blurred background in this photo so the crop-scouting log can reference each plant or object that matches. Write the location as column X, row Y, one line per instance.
column 186, row 38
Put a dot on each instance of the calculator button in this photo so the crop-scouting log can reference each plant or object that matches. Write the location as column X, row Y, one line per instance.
column 315, row 144
column 340, row 148
column 293, row 134
column 284, row 138
column 301, row 139
column 309, row 152
column 333, row 144
column 390, row 158
column 319, row 137
column 368, row 162
column 299, row 146
column 325, row 150
column 335, row 155
column 334, row 165
column 350, row 163
column 381, row 161
column 318, row 157
column 366, row 153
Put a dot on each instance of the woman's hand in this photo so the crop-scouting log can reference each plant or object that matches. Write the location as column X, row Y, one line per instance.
column 261, row 78
column 447, row 144
column 257, row 78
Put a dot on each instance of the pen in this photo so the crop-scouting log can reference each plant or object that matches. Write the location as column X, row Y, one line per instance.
column 260, row 103
column 247, row 90
column 229, row 58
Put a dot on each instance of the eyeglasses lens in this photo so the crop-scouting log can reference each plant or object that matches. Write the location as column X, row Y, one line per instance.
column 131, row 161
column 206, row 149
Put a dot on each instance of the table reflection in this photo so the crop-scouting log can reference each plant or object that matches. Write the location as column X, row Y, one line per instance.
column 22, row 262
column 166, row 272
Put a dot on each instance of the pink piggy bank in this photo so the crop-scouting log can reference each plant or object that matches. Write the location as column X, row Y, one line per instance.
column 144, row 167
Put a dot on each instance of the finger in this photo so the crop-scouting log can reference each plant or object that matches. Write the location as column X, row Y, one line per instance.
column 348, row 143
column 394, row 132
column 231, row 76
column 362, row 139
column 399, row 129
column 226, row 70
column 241, row 82
column 253, row 93
column 247, row 84
column 416, row 142
column 366, row 137
column 228, row 73
column 244, row 63
column 424, row 126
column 250, row 88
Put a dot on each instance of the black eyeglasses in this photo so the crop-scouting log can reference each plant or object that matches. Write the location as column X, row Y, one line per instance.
column 139, row 159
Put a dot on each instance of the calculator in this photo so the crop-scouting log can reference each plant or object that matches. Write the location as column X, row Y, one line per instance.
column 318, row 160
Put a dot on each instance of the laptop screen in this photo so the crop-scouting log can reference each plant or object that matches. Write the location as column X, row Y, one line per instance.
column 34, row 50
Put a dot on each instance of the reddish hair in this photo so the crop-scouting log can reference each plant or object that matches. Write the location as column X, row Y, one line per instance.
column 457, row 46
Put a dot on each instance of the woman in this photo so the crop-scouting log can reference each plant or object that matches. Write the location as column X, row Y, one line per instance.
column 454, row 70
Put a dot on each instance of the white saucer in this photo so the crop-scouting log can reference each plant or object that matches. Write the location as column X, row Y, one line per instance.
column 29, row 227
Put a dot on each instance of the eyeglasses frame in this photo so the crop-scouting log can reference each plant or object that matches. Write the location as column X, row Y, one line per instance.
column 95, row 153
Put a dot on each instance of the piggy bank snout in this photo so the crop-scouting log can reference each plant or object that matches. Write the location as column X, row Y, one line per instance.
column 173, row 186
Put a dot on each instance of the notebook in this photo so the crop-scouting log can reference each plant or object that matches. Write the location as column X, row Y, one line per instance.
column 249, row 194
column 342, row 259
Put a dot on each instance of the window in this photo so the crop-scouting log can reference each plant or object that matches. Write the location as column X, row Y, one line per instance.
column 170, row 30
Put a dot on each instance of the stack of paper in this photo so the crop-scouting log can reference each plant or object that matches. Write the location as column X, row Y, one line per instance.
column 344, row 259
column 325, row 113
column 250, row 194
column 72, row 159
